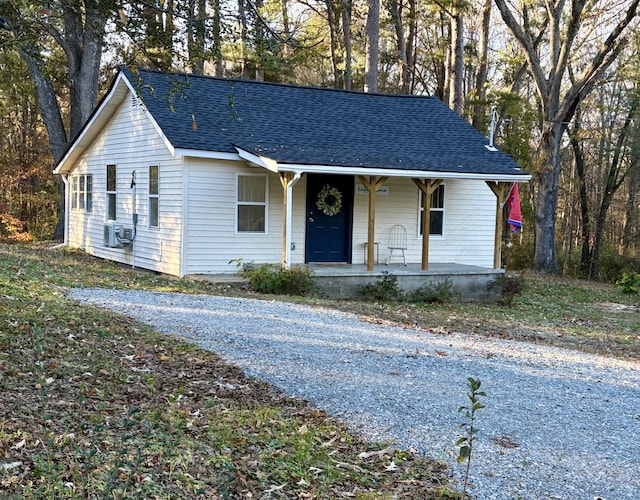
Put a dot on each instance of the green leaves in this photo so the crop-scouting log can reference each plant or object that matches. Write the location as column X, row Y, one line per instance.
column 467, row 440
column 464, row 452
column 629, row 283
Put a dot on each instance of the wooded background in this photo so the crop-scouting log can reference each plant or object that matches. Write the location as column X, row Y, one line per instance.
column 562, row 76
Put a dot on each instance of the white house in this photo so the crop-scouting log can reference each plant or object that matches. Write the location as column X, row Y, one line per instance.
column 186, row 174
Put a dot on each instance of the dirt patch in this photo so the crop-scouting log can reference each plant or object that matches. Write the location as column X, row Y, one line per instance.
column 617, row 308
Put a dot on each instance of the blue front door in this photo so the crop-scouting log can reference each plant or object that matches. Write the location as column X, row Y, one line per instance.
column 329, row 218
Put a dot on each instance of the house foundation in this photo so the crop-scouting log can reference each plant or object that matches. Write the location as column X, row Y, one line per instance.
column 468, row 283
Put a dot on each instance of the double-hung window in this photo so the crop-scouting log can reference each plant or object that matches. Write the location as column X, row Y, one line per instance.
column 153, row 195
column 251, row 202
column 111, row 192
column 82, row 192
column 436, row 212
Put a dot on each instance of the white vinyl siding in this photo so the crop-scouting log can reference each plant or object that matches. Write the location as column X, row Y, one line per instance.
column 130, row 141
column 213, row 244
column 469, row 220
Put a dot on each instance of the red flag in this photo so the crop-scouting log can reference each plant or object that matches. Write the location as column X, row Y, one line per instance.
column 513, row 202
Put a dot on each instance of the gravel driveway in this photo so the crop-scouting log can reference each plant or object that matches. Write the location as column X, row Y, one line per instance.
column 557, row 423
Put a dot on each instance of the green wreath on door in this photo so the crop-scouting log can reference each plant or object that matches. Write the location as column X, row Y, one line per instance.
column 329, row 200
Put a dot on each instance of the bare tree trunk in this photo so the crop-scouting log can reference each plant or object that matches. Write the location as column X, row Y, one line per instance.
column 346, row 33
column 456, row 68
column 244, row 38
column 409, row 70
column 483, row 58
column 286, row 29
column 395, row 11
column 333, row 21
column 259, row 40
column 196, row 34
column 546, row 200
column 581, row 171
column 372, row 56
column 217, row 39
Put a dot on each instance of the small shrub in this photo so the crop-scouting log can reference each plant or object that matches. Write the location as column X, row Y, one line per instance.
column 629, row 283
column 512, row 286
column 385, row 289
column 298, row 280
column 433, row 293
column 467, row 440
column 12, row 230
column 271, row 278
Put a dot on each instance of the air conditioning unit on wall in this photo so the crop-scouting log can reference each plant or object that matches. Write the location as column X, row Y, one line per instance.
column 111, row 232
column 117, row 235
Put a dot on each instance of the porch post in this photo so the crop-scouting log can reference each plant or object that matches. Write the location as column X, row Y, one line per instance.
column 288, row 180
column 500, row 190
column 428, row 186
column 372, row 184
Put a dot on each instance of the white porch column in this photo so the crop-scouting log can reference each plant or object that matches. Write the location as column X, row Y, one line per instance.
column 288, row 180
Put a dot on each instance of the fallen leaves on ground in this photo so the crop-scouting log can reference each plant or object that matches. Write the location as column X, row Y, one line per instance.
column 96, row 405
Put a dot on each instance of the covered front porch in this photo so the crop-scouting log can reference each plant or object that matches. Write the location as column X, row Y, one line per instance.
column 470, row 283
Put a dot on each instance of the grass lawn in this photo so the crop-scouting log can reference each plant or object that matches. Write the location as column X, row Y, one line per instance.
column 95, row 405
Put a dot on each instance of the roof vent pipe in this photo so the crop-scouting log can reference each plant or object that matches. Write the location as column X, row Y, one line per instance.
column 492, row 128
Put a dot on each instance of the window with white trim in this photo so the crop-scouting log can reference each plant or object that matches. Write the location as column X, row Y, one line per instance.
column 82, row 192
column 436, row 213
column 75, row 181
column 153, row 195
column 251, row 211
column 111, row 192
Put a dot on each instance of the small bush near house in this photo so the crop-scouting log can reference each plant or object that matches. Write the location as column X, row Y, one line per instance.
column 271, row 278
column 12, row 230
column 385, row 289
column 433, row 293
column 512, row 286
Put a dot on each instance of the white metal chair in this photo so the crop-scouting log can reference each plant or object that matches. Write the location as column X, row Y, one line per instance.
column 397, row 241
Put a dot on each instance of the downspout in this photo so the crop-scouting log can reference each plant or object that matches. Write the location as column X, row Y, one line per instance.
column 65, row 180
column 289, row 218
column 134, row 219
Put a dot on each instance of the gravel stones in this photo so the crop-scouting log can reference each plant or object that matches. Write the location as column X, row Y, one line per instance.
column 557, row 423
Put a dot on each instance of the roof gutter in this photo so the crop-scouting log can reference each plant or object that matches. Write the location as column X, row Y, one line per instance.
column 273, row 166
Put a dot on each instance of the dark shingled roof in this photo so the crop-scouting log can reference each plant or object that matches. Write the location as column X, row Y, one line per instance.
column 315, row 126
